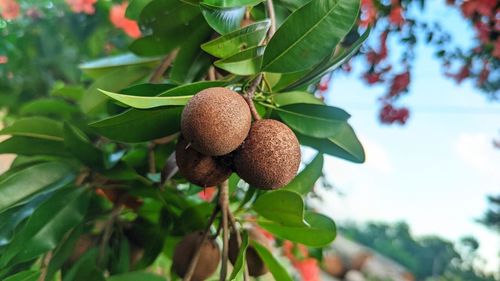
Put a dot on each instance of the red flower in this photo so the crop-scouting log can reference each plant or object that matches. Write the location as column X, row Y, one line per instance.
column 482, row 7
column 372, row 77
column 82, row 6
column 389, row 115
column 368, row 13
column 484, row 74
column 399, row 84
column 496, row 49
column 118, row 19
column 323, row 87
column 9, row 9
column 207, row 193
column 396, row 16
column 308, row 269
column 4, row 59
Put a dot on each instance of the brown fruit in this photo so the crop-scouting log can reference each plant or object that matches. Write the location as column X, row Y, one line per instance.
column 201, row 169
column 216, row 121
column 270, row 156
column 207, row 263
column 256, row 266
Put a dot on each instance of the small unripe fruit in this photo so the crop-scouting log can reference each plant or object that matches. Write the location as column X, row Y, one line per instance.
column 270, row 156
column 216, row 121
column 207, row 263
column 200, row 169
column 255, row 264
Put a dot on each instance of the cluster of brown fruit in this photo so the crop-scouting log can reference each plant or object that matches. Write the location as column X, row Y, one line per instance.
column 210, row 255
column 218, row 137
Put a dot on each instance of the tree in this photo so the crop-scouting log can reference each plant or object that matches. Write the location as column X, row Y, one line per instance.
column 104, row 187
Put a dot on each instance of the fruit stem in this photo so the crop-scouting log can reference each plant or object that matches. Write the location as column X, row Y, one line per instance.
column 250, row 92
column 196, row 256
column 232, row 221
column 224, row 205
column 166, row 62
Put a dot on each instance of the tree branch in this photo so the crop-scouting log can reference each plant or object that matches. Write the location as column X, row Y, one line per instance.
column 249, row 96
column 232, row 221
column 272, row 16
column 224, row 204
column 160, row 70
column 196, row 256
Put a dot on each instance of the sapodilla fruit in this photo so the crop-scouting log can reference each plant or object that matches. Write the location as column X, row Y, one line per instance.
column 216, row 121
column 270, row 156
column 200, row 169
column 256, row 266
column 207, row 263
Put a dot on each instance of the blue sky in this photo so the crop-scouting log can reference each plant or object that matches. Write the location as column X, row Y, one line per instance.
column 435, row 171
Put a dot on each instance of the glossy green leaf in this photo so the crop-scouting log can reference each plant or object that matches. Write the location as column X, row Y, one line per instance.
column 151, row 45
column 192, row 89
column 94, row 102
column 147, row 89
column 274, row 266
column 320, row 232
column 147, row 102
column 281, row 206
column 27, row 275
column 313, row 120
column 35, row 127
column 247, row 62
column 309, row 35
column 136, row 276
column 230, row 3
column 48, row 225
column 32, row 180
column 344, row 144
column 294, row 97
column 80, row 146
column 339, row 56
column 135, row 7
column 305, row 180
column 102, row 66
column 170, row 17
column 240, row 264
column 191, row 60
column 136, row 125
column 33, row 147
column 63, row 251
column 48, row 107
column 223, row 20
column 71, row 92
column 237, row 41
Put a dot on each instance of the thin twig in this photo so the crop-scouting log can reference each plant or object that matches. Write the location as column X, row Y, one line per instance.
column 224, row 204
column 272, row 16
column 108, row 229
column 45, row 266
column 232, row 221
column 196, row 256
column 160, row 70
column 249, row 96
column 151, row 158
column 211, row 74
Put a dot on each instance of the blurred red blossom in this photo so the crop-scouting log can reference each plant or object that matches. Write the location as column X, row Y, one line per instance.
column 482, row 7
column 9, row 9
column 399, row 83
column 4, row 59
column 396, row 15
column 389, row 114
column 118, row 19
column 368, row 13
column 82, row 6
column 308, row 269
column 207, row 194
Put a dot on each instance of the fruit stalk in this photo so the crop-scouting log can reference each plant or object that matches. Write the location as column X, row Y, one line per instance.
column 232, row 221
column 224, row 205
column 249, row 96
column 196, row 256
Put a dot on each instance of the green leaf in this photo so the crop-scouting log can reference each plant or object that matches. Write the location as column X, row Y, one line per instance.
column 80, row 146
column 240, row 264
column 135, row 7
column 35, row 127
column 33, row 147
column 321, row 232
column 136, row 125
column 166, row 16
column 147, row 89
column 155, row 45
column 275, row 267
column 48, row 225
column 27, row 275
column 147, row 102
column 32, row 180
column 281, row 206
column 247, row 62
column 231, row 3
column 63, row 251
column 85, row 269
column 344, row 144
column 191, row 60
column 330, row 63
column 294, row 97
column 102, row 66
column 48, row 107
column 309, row 34
column 313, row 120
column 305, row 180
column 192, row 89
column 136, row 276
column 94, row 102
column 223, row 20
column 237, row 41
column 70, row 92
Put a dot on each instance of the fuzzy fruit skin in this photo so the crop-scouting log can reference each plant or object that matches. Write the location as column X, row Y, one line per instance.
column 216, row 121
column 207, row 263
column 200, row 169
column 256, row 266
column 270, row 156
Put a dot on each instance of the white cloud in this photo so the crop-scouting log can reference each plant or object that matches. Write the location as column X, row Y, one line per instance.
column 377, row 157
column 477, row 151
